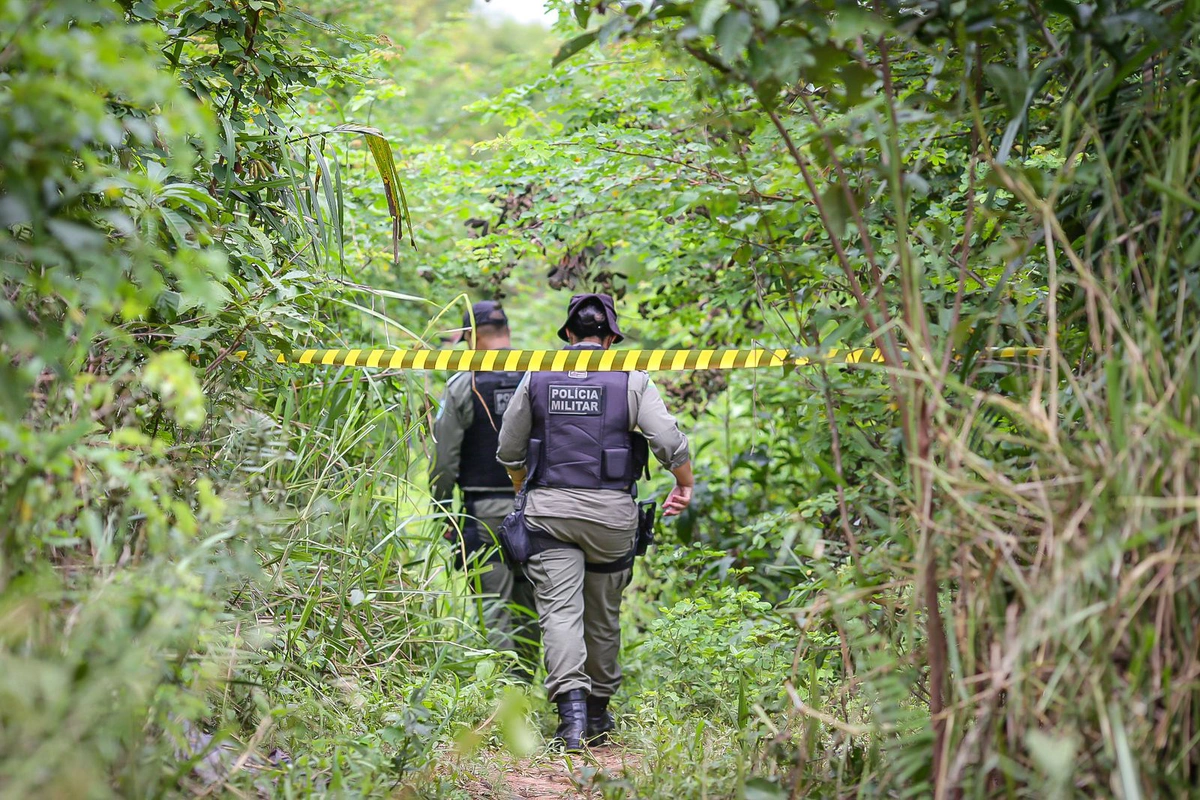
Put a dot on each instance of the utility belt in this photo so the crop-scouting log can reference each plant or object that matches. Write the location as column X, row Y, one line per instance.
column 520, row 542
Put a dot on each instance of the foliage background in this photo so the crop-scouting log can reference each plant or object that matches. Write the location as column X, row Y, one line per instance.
column 956, row 575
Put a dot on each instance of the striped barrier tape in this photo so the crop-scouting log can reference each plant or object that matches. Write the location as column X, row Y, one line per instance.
column 588, row 360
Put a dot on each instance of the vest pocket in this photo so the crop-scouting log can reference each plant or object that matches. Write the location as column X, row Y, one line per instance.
column 615, row 464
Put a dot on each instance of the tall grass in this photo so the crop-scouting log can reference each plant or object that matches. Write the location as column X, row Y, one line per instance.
column 1041, row 641
column 1011, row 608
column 205, row 572
column 1071, row 616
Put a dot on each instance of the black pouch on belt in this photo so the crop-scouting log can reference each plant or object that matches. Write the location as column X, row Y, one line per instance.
column 515, row 539
column 514, row 534
column 647, row 514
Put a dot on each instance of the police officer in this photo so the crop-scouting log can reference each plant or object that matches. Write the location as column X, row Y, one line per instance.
column 466, row 433
column 574, row 436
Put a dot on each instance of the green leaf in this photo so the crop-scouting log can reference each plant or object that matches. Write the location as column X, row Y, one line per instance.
column 850, row 21
column 1010, row 84
column 768, row 12
column 516, row 733
column 733, row 34
column 187, row 336
column 827, row 469
column 144, row 9
column 574, row 46
column 779, row 59
column 856, row 78
column 1054, row 754
column 73, row 236
column 1174, row 192
column 836, row 208
column 385, row 163
column 582, row 10
column 763, row 789
column 708, row 14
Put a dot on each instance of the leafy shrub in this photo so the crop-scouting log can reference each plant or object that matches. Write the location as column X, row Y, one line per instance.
column 714, row 654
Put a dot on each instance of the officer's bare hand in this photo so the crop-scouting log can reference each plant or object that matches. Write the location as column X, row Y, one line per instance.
column 681, row 496
column 517, row 476
column 679, row 499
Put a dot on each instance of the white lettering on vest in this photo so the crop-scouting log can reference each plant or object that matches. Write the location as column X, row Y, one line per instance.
column 500, row 400
column 580, row 401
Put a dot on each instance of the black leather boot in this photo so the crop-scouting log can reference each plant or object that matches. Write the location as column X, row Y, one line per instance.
column 572, row 715
column 599, row 721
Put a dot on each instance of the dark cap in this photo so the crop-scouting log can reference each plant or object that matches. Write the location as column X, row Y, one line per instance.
column 605, row 302
column 486, row 312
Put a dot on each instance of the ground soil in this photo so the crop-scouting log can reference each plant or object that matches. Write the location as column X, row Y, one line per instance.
column 557, row 777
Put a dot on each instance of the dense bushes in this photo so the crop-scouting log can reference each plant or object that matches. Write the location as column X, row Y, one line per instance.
column 157, row 500
column 956, row 573
column 939, row 178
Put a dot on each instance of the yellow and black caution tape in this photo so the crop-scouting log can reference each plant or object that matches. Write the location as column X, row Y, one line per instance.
column 589, row 360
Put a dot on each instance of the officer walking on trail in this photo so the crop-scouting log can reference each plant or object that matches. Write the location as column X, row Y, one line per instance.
column 575, row 438
column 466, row 433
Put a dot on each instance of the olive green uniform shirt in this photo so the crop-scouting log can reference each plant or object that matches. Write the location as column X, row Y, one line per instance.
column 456, row 416
column 610, row 508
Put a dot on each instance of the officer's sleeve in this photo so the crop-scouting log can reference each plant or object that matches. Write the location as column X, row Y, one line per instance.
column 453, row 419
column 514, row 429
column 667, row 442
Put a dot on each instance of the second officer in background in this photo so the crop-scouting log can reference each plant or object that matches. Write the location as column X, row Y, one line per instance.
column 466, row 431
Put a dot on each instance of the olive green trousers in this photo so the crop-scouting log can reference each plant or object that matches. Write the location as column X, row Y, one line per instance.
column 580, row 611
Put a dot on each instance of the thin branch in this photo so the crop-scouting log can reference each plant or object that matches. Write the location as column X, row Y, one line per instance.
column 885, row 340
column 712, row 173
column 863, row 234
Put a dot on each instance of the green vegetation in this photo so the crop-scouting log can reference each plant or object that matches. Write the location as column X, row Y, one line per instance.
column 950, row 576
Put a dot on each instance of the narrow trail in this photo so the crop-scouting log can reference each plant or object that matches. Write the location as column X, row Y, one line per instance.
column 553, row 776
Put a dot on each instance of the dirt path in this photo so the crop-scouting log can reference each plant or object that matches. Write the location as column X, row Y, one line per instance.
column 554, row 777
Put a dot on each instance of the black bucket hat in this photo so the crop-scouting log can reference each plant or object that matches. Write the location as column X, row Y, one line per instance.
column 609, row 311
column 486, row 312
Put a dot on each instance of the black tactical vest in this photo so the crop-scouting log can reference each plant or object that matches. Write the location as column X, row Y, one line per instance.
column 580, row 436
column 478, row 469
